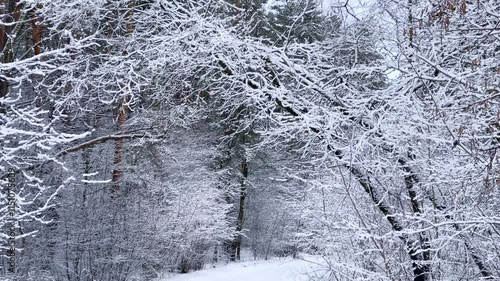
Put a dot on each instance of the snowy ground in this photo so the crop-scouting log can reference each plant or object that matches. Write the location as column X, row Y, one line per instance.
column 271, row 270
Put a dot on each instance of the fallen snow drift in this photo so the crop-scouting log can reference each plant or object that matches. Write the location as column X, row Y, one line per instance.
column 272, row 270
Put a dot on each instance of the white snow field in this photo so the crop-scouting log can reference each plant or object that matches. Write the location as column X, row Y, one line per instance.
column 271, row 270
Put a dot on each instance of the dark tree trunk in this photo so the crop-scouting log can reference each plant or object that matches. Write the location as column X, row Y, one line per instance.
column 11, row 13
column 121, row 115
column 420, row 267
column 36, row 32
column 236, row 245
column 117, row 173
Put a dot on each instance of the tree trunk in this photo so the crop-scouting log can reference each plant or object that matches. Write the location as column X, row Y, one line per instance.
column 36, row 31
column 414, row 248
column 118, row 148
column 11, row 14
column 423, row 247
column 121, row 115
column 236, row 245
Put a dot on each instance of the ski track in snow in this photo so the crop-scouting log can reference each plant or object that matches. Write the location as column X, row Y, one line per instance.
column 272, row 270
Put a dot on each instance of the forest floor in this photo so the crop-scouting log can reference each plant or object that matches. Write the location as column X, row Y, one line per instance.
column 285, row 269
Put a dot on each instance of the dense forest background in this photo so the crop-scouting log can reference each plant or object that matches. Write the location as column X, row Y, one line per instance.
column 145, row 136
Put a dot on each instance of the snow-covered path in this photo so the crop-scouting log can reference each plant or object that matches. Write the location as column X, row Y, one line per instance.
column 273, row 270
